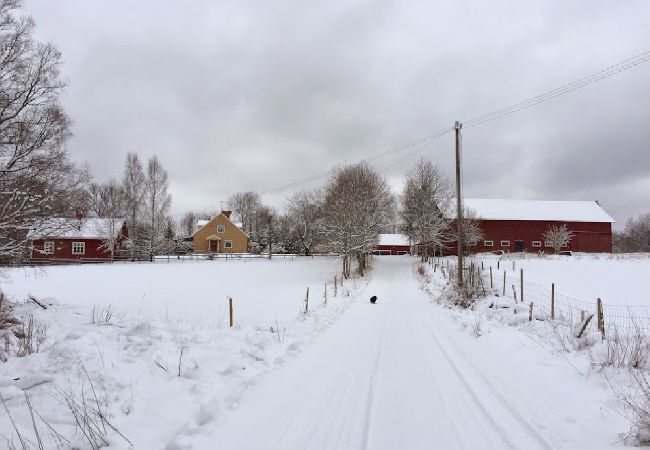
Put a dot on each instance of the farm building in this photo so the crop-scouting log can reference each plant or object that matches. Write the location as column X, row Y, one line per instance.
column 519, row 225
column 220, row 235
column 79, row 238
column 393, row 244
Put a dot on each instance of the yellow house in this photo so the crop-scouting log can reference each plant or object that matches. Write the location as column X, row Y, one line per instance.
column 220, row 235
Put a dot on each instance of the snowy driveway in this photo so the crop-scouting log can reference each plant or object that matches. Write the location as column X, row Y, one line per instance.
column 399, row 375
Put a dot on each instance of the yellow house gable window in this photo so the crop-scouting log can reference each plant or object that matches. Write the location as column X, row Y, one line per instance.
column 221, row 229
column 228, row 244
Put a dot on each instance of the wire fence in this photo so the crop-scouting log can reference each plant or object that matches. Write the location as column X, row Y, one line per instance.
column 549, row 304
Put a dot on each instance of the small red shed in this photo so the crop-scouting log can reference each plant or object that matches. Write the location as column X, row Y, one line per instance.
column 393, row 244
column 93, row 238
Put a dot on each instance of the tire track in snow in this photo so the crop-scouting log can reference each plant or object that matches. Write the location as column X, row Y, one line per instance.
column 505, row 405
column 373, row 383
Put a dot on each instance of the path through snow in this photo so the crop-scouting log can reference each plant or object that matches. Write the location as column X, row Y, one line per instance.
column 400, row 374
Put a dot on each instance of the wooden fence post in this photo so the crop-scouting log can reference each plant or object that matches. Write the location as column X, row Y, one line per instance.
column 530, row 312
column 513, row 265
column 307, row 301
column 230, row 307
column 482, row 266
column 521, row 285
column 514, row 293
column 601, row 317
column 504, row 283
column 491, row 285
column 335, row 286
column 552, row 301
column 325, row 292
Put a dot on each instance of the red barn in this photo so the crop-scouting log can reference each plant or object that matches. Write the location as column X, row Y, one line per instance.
column 99, row 239
column 393, row 244
column 519, row 225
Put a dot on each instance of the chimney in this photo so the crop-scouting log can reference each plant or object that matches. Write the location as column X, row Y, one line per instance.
column 227, row 214
column 78, row 214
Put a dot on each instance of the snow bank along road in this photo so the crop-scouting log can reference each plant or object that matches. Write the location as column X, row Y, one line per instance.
column 400, row 374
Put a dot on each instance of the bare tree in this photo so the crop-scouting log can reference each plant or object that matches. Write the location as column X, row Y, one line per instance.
column 157, row 201
column 426, row 196
column 35, row 172
column 134, row 183
column 107, row 200
column 472, row 232
column 245, row 206
column 305, row 213
column 635, row 237
column 356, row 207
column 109, row 204
column 557, row 237
column 188, row 222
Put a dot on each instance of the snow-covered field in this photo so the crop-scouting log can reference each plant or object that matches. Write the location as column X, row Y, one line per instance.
column 195, row 291
column 616, row 279
column 404, row 373
column 132, row 360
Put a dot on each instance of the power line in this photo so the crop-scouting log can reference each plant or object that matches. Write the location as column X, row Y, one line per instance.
column 415, row 144
column 551, row 94
column 595, row 77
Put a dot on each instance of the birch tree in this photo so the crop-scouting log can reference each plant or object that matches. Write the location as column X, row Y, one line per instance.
column 157, row 203
column 426, row 196
column 356, row 207
column 134, row 184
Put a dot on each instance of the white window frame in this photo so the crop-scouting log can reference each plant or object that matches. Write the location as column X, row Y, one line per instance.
column 225, row 244
column 547, row 244
column 565, row 245
column 488, row 243
column 537, row 243
column 76, row 246
column 505, row 245
column 221, row 228
column 402, row 252
column 48, row 247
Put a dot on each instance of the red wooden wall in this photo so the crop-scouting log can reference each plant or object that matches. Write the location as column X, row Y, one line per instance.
column 589, row 237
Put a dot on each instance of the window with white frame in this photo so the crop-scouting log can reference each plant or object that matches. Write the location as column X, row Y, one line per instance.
column 547, row 244
column 221, row 229
column 228, row 244
column 537, row 243
column 488, row 243
column 505, row 243
column 78, row 248
column 48, row 247
column 565, row 245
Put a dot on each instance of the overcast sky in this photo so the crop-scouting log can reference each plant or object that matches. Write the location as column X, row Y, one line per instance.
column 243, row 95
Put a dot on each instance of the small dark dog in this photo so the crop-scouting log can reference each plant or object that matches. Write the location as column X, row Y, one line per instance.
column 373, row 299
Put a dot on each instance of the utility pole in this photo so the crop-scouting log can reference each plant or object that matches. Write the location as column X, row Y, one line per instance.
column 459, row 206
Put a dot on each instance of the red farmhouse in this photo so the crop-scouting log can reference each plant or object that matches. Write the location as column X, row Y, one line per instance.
column 519, row 225
column 79, row 238
column 393, row 244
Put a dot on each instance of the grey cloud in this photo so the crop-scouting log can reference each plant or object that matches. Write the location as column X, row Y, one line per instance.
column 238, row 95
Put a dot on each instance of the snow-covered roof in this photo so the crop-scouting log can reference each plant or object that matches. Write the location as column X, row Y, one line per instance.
column 201, row 223
column 86, row 228
column 393, row 239
column 552, row 210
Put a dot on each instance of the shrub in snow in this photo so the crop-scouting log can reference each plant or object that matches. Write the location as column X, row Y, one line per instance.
column 31, row 334
column 638, row 400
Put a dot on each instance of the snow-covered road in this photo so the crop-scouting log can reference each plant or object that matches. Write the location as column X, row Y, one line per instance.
column 394, row 375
